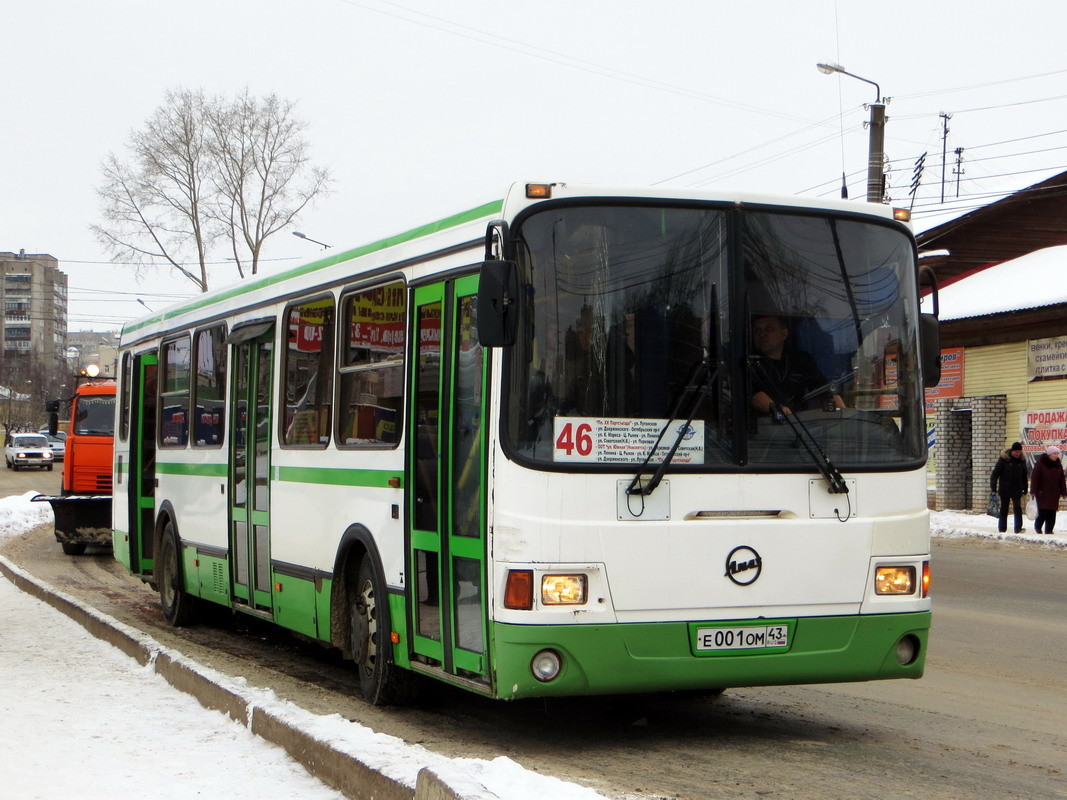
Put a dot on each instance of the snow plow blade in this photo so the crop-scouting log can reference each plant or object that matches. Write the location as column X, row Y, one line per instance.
column 80, row 520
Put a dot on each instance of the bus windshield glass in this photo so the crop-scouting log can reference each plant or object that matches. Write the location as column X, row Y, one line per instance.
column 753, row 327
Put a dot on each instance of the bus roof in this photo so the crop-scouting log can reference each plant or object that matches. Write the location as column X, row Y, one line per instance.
column 466, row 227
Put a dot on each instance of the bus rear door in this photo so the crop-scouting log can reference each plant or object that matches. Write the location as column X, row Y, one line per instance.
column 250, row 429
column 142, row 470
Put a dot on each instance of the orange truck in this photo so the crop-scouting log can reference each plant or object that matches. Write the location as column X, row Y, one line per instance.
column 83, row 507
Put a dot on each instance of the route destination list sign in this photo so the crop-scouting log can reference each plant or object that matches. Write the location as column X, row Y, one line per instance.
column 600, row 440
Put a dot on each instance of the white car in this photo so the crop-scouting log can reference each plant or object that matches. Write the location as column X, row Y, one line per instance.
column 28, row 450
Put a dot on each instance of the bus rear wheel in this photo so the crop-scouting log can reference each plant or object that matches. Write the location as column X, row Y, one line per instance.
column 381, row 681
column 178, row 606
column 73, row 548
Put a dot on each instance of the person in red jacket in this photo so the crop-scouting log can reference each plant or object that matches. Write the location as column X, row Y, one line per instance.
column 1047, row 485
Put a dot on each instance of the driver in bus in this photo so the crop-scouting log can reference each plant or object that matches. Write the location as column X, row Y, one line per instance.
column 786, row 377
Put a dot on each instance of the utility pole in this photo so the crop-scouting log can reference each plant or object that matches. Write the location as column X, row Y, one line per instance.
column 958, row 170
column 944, row 149
column 876, row 153
column 876, row 162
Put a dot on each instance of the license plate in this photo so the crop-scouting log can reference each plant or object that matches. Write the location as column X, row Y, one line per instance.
column 742, row 637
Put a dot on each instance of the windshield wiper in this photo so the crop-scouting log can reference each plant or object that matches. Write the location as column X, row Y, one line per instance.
column 701, row 378
column 834, row 479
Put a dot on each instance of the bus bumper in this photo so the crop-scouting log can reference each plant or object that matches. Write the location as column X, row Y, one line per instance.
column 623, row 658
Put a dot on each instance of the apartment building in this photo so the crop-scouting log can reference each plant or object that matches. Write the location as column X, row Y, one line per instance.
column 34, row 296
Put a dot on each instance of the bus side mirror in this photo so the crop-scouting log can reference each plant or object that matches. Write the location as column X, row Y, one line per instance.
column 930, row 332
column 930, row 342
column 498, row 303
column 52, row 406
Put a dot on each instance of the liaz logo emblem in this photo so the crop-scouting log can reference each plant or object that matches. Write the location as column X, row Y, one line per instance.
column 743, row 565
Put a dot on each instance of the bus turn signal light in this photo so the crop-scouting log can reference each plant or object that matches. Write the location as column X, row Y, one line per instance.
column 926, row 579
column 518, row 592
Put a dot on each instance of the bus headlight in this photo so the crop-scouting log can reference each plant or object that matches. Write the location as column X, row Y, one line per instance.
column 563, row 590
column 894, row 580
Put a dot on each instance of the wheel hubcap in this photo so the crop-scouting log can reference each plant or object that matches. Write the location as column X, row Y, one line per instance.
column 365, row 629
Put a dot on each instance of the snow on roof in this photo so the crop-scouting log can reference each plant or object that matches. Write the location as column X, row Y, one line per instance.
column 1035, row 280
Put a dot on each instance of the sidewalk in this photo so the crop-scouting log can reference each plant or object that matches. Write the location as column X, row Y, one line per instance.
column 955, row 524
column 91, row 708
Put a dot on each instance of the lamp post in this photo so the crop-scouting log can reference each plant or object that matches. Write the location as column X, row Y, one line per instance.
column 304, row 236
column 875, row 175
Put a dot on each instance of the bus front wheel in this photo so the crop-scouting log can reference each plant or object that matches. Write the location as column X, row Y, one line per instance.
column 176, row 604
column 381, row 681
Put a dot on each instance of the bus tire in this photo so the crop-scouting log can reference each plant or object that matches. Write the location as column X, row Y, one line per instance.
column 380, row 680
column 73, row 548
column 178, row 606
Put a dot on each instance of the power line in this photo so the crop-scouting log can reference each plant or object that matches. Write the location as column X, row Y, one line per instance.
column 494, row 39
column 934, row 92
column 990, row 108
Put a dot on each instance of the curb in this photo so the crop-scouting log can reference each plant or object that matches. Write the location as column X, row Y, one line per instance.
column 334, row 767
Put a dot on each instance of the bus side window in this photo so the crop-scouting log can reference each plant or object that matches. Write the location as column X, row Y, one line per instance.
column 372, row 367
column 308, row 381
column 209, row 409
column 174, row 393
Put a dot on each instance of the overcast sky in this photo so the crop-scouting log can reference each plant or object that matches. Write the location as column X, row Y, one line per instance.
column 421, row 109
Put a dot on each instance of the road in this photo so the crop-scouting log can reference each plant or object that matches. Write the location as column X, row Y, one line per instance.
column 988, row 720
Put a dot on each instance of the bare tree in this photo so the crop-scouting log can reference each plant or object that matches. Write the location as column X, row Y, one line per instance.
column 157, row 206
column 203, row 174
column 264, row 179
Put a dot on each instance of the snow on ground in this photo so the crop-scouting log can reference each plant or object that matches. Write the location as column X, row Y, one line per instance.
column 80, row 719
column 955, row 524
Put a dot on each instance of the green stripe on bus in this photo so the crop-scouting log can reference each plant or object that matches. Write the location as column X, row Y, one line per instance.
column 374, row 478
column 202, row 470
column 485, row 210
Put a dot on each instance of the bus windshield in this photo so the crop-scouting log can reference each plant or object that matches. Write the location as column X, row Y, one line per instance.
column 748, row 325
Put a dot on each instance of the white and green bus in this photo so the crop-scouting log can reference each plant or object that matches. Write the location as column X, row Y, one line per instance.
column 519, row 450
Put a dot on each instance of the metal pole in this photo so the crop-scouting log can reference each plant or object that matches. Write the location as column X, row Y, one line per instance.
column 875, row 174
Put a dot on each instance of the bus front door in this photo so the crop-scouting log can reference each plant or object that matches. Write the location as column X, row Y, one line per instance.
column 447, row 483
column 250, row 427
column 142, row 475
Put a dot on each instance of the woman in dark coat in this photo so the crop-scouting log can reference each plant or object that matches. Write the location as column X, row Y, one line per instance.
column 1010, row 480
column 1047, row 486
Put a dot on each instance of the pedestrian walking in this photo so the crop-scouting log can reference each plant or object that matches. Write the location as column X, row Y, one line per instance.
column 1047, row 485
column 1010, row 480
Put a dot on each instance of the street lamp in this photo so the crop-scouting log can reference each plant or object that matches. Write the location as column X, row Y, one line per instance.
column 304, row 236
column 875, row 175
